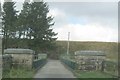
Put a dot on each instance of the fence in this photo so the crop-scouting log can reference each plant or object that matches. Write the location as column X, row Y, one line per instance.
column 38, row 63
column 72, row 64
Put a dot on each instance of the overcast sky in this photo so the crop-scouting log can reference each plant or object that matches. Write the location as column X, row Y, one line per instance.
column 86, row 21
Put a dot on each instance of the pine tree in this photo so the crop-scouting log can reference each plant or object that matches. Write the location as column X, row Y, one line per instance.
column 23, row 24
column 8, row 21
column 36, row 26
column 41, row 30
column 41, row 25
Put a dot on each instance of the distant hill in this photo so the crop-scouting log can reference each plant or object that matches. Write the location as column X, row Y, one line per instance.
column 110, row 48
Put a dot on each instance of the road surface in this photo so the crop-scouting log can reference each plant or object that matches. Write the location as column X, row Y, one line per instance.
column 54, row 69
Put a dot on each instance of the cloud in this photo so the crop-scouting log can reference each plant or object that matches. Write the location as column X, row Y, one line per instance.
column 86, row 21
column 60, row 17
column 83, row 8
column 72, row 0
column 56, row 12
column 90, row 32
column 101, row 11
column 81, row 0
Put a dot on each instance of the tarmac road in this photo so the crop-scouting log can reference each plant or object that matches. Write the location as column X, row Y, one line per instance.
column 54, row 69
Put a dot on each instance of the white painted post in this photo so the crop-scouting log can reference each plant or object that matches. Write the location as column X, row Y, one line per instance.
column 68, row 44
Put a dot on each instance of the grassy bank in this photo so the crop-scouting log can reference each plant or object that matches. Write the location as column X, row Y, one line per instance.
column 110, row 48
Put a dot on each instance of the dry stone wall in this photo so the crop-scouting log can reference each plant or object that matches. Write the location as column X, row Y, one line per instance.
column 24, row 60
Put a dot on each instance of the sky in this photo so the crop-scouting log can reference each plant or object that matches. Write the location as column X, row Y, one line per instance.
column 85, row 20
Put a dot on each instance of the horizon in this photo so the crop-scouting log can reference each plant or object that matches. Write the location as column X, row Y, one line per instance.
column 87, row 41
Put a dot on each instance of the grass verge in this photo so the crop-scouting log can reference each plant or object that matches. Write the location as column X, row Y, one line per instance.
column 92, row 74
column 19, row 73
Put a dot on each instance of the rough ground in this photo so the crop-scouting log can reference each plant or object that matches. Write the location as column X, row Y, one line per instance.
column 54, row 69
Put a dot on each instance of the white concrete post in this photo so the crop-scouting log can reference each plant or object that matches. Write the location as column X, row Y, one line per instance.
column 68, row 44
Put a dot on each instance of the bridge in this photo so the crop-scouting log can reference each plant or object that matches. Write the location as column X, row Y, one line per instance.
column 54, row 69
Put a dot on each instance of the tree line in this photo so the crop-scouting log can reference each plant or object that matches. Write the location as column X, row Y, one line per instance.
column 29, row 28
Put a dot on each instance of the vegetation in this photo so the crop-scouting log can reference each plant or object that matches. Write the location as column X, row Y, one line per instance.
column 8, row 20
column 92, row 74
column 32, row 27
column 110, row 48
column 18, row 73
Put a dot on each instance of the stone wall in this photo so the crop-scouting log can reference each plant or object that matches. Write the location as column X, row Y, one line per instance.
column 24, row 60
column 6, row 62
column 90, row 62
